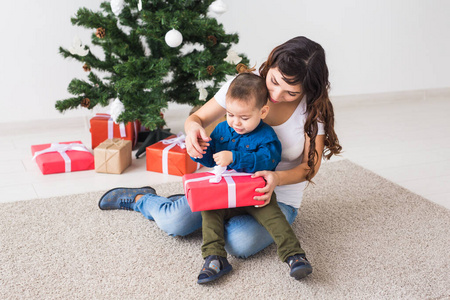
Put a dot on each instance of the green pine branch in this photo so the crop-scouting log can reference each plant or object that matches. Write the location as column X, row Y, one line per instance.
column 140, row 68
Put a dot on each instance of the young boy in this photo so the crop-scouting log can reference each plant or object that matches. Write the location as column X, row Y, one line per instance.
column 246, row 144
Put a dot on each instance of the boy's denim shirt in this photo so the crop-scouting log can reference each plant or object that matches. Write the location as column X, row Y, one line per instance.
column 254, row 151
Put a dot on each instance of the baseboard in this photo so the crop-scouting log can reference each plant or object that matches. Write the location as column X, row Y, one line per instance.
column 388, row 97
column 174, row 117
column 36, row 126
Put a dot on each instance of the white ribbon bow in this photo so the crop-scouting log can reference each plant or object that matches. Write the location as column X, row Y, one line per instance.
column 62, row 148
column 218, row 172
column 179, row 140
column 176, row 141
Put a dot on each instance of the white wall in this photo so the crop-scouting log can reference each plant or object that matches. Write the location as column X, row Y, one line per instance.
column 372, row 46
column 33, row 75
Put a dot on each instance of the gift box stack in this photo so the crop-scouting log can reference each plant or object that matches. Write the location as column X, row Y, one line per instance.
column 208, row 191
column 62, row 157
column 169, row 156
column 103, row 128
column 112, row 156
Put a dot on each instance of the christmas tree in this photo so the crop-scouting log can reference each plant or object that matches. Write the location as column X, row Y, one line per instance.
column 155, row 52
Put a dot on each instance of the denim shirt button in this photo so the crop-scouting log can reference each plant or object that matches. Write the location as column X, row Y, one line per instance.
column 247, row 146
column 232, row 140
column 221, row 138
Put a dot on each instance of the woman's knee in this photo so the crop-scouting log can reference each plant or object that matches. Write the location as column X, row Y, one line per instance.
column 180, row 225
column 239, row 247
column 249, row 246
column 245, row 237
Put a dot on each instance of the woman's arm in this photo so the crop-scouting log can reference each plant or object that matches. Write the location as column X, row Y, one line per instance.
column 195, row 127
column 298, row 174
column 294, row 175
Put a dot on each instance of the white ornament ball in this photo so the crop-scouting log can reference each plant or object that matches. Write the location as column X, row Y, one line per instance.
column 117, row 6
column 174, row 38
column 218, row 7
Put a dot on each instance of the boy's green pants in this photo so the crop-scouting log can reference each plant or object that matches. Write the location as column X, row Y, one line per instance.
column 269, row 216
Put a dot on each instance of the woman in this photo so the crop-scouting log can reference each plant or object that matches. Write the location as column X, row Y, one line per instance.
column 301, row 114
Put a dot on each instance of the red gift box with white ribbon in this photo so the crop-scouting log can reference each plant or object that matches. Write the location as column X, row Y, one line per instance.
column 62, row 157
column 228, row 190
column 169, row 156
column 103, row 128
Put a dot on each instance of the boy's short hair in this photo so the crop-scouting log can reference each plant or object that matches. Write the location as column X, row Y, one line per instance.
column 248, row 86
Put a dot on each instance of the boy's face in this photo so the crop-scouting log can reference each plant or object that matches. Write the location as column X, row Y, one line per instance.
column 244, row 117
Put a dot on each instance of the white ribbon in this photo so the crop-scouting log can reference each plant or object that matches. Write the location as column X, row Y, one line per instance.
column 231, row 185
column 122, row 128
column 228, row 176
column 110, row 128
column 123, row 131
column 218, row 171
column 62, row 148
column 177, row 141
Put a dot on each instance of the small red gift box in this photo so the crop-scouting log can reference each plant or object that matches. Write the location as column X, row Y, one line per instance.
column 234, row 190
column 103, row 128
column 169, row 156
column 62, row 157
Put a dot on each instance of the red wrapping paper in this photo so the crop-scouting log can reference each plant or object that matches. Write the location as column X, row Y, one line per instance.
column 203, row 195
column 179, row 162
column 99, row 130
column 53, row 162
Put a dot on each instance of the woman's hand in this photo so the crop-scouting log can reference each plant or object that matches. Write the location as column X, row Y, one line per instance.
column 196, row 140
column 194, row 127
column 272, row 180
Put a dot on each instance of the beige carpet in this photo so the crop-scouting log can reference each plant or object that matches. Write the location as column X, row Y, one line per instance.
column 366, row 237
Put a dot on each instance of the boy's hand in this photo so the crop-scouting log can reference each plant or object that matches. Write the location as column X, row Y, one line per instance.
column 223, row 158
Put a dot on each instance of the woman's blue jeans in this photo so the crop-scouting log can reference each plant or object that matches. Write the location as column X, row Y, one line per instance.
column 244, row 236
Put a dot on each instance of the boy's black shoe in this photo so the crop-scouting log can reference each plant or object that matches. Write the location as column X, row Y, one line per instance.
column 214, row 267
column 299, row 265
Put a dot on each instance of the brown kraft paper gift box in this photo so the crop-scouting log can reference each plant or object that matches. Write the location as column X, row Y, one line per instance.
column 112, row 156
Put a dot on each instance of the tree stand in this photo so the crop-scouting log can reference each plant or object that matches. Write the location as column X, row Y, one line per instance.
column 151, row 137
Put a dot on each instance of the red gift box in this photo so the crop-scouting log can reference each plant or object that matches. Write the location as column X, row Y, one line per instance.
column 234, row 190
column 62, row 157
column 169, row 156
column 103, row 128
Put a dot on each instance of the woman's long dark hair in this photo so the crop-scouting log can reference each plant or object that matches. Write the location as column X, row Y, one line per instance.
column 301, row 60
